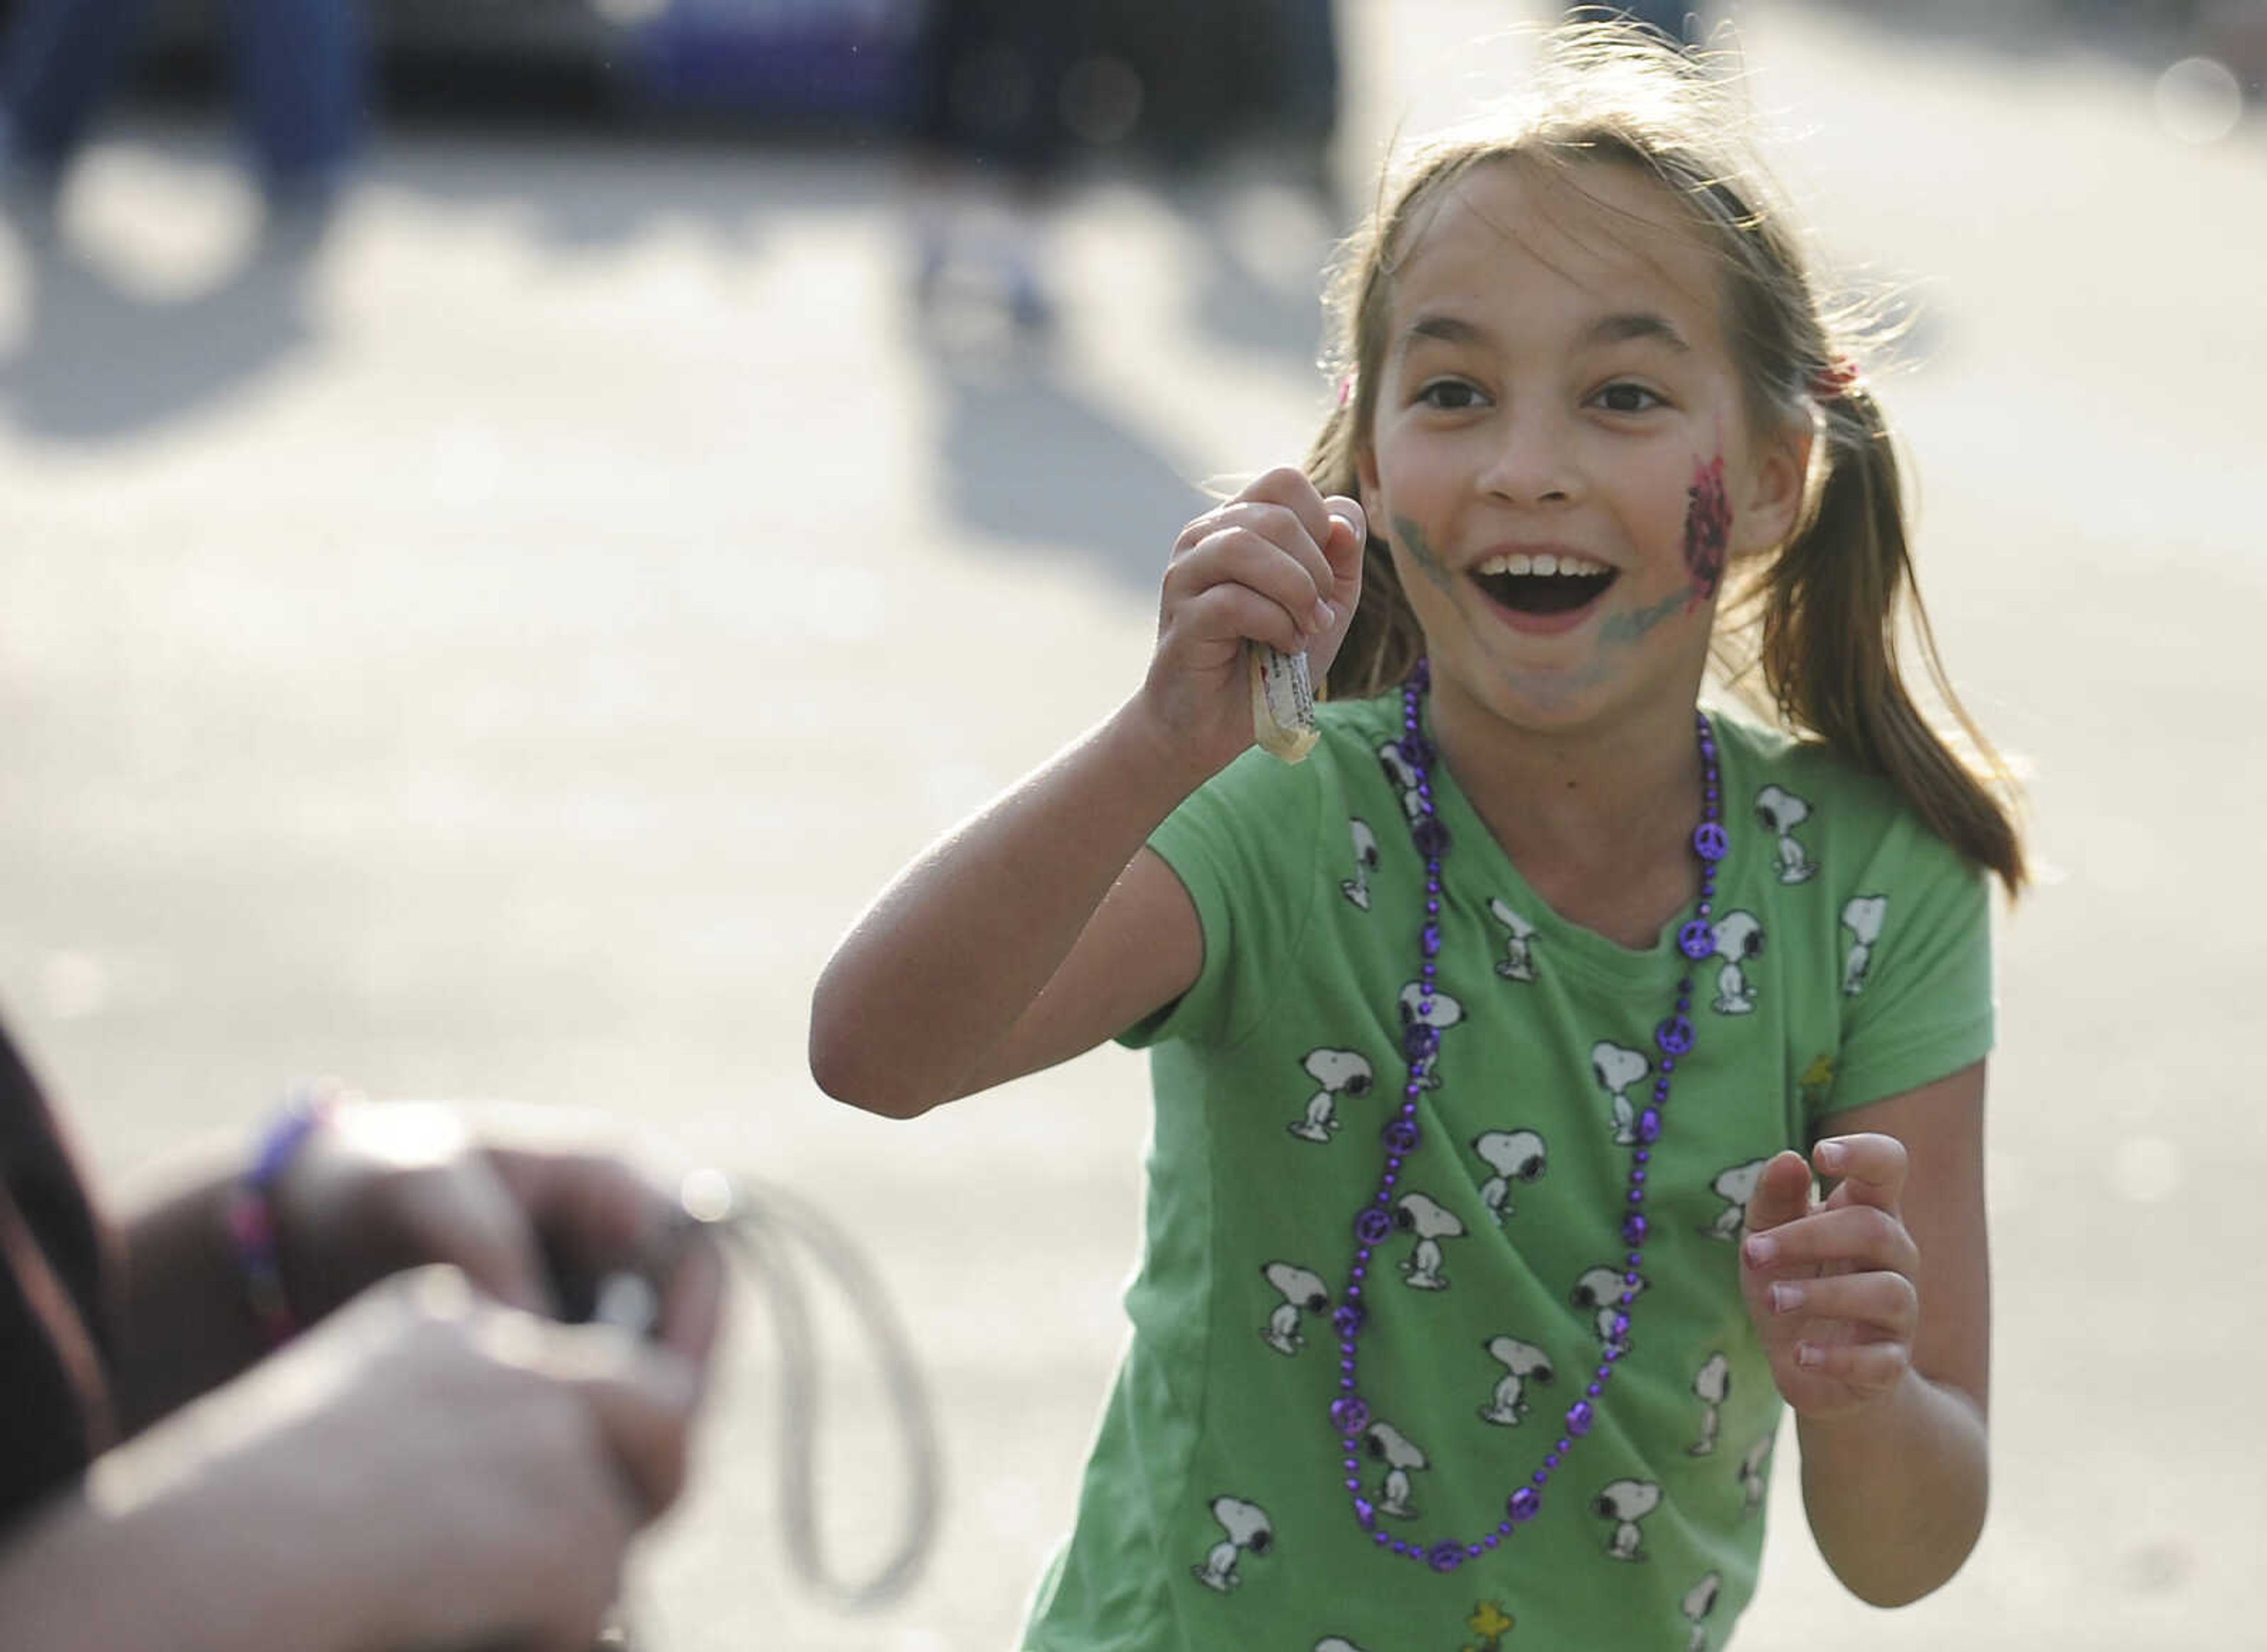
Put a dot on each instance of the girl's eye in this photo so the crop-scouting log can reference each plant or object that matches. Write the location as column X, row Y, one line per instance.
column 1450, row 395
column 1628, row 398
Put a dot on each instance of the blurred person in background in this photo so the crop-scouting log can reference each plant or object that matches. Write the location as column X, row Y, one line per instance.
column 302, row 80
column 991, row 133
column 1683, row 21
column 437, row 1460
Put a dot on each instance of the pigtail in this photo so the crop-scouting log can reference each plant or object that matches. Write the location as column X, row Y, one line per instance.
column 1382, row 642
column 1829, row 610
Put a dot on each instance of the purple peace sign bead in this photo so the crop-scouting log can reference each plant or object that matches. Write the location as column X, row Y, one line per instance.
column 1431, row 837
column 1347, row 1320
column 1365, row 1513
column 1421, row 1041
column 1674, row 1035
column 1402, row 1136
column 1579, row 1418
column 1709, row 841
column 1696, row 939
column 1445, row 1556
column 1350, row 1415
column 1648, row 1125
column 1373, row 1226
column 1523, row 1504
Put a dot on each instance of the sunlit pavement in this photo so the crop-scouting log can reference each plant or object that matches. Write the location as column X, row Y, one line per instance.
column 498, row 657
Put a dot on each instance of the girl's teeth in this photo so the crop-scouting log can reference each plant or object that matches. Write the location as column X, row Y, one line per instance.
column 1546, row 563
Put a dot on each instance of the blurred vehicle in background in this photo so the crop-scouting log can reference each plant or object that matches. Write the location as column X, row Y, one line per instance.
column 2235, row 32
column 1176, row 80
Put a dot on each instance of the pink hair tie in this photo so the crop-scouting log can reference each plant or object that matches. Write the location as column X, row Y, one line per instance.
column 1835, row 381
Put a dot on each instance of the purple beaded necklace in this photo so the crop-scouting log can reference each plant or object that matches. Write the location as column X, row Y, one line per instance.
column 1420, row 1043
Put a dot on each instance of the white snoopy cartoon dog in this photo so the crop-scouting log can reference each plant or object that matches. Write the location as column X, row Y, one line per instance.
column 1404, row 778
column 1444, row 1013
column 1752, row 1481
column 1356, row 888
column 1780, row 812
column 1518, row 960
column 1739, row 941
column 1602, row 1289
column 1402, row 1458
column 1515, row 1156
column 1710, row 1383
column 1304, row 1292
column 1248, row 1527
column 1625, row 1502
column 1524, row 1363
column 1617, row 1068
column 1340, row 1073
column 1431, row 1222
column 1862, row 917
column 1734, row 1187
column 1699, row 1601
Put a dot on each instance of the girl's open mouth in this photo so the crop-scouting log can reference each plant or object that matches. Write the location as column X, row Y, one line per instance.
column 1538, row 586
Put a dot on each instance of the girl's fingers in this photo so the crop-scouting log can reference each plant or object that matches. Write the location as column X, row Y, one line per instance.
column 1267, row 547
column 1290, row 487
column 1782, row 1193
column 1861, row 1236
column 1886, row 1303
column 1870, row 1367
column 1242, row 589
column 1870, row 1168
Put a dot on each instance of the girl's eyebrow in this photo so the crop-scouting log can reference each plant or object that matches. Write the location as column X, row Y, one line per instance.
column 1641, row 324
column 1610, row 329
column 1448, row 329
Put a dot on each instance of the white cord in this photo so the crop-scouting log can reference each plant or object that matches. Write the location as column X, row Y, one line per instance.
column 768, row 1225
column 765, row 1226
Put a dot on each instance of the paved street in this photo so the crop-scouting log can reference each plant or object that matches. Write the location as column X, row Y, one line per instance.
column 499, row 656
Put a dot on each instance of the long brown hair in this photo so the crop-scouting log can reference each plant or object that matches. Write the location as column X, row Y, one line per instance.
column 1811, row 633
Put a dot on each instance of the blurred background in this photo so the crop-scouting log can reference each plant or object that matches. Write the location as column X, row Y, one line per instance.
column 496, row 571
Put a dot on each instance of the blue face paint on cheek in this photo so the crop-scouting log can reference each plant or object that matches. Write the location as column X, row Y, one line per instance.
column 1421, row 552
column 1629, row 627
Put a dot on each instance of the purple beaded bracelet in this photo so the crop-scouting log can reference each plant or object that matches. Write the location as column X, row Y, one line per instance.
column 250, row 1215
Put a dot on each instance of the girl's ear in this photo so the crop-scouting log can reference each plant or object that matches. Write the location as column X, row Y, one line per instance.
column 1781, row 468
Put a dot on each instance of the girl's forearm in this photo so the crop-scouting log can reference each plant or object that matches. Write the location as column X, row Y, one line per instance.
column 939, row 968
column 1896, row 1493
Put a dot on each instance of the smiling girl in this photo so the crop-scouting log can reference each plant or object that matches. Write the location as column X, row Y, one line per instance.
column 1527, row 912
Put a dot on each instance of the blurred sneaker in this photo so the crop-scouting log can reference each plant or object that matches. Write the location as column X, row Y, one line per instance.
column 29, row 190
column 1029, row 306
column 300, row 210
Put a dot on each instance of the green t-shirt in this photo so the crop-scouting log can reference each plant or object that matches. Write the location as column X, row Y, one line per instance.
column 1852, row 965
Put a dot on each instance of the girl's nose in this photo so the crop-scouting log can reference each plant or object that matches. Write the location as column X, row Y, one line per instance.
column 1531, row 462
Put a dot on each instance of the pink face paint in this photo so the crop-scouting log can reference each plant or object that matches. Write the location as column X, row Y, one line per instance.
column 1707, row 530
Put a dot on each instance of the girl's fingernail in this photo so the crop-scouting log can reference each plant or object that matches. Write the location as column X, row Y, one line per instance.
column 1809, row 1353
column 1784, row 1295
column 1325, row 616
column 1761, row 1248
column 1830, row 1156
